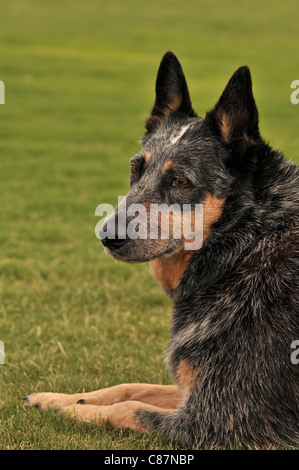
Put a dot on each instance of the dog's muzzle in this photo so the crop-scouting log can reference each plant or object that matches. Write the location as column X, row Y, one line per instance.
column 112, row 239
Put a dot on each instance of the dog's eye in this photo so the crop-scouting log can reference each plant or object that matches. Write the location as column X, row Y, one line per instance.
column 180, row 182
column 134, row 169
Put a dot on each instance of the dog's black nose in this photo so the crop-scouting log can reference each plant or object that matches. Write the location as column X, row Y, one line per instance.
column 111, row 238
column 115, row 243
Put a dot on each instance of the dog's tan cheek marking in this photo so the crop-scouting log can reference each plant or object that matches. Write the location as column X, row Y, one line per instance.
column 212, row 211
column 169, row 270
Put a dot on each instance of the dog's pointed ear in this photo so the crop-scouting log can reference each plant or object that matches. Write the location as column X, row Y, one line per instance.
column 235, row 117
column 172, row 94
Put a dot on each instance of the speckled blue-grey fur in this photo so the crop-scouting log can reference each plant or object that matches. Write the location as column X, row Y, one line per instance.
column 236, row 308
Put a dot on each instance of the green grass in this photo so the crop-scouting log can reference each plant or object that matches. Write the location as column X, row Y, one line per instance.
column 79, row 80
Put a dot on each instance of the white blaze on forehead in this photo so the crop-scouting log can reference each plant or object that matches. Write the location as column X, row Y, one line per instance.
column 180, row 134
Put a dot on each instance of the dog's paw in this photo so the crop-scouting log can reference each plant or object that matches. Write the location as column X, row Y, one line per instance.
column 50, row 400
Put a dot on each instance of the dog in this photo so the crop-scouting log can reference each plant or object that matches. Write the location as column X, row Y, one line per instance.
column 235, row 298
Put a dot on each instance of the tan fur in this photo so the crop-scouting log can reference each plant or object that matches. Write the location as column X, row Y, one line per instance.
column 225, row 126
column 121, row 415
column 173, row 106
column 185, row 376
column 158, row 395
column 147, row 157
column 169, row 270
column 167, row 165
column 117, row 404
column 212, row 211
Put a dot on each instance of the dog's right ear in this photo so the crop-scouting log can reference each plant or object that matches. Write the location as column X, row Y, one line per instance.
column 172, row 94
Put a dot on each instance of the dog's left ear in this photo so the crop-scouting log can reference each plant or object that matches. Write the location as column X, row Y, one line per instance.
column 235, row 117
column 172, row 94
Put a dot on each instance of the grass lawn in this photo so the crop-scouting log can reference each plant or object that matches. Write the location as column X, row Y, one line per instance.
column 79, row 83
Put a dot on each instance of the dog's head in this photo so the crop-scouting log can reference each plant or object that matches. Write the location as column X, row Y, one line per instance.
column 186, row 162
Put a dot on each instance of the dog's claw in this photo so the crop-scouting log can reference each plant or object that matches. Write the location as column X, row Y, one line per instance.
column 80, row 402
column 51, row 400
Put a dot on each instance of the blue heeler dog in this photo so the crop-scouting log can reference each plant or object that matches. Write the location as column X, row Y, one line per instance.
column 235, row 298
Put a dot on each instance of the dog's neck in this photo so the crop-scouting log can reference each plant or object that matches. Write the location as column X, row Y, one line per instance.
column 169, row 270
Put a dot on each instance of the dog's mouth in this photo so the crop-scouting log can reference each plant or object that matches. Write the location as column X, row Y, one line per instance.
column 138, row 251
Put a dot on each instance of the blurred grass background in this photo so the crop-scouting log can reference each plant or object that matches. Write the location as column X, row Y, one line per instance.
column 79, row 80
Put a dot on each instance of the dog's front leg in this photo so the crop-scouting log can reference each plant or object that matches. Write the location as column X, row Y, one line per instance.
column 163, row 396
column 123, row 415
